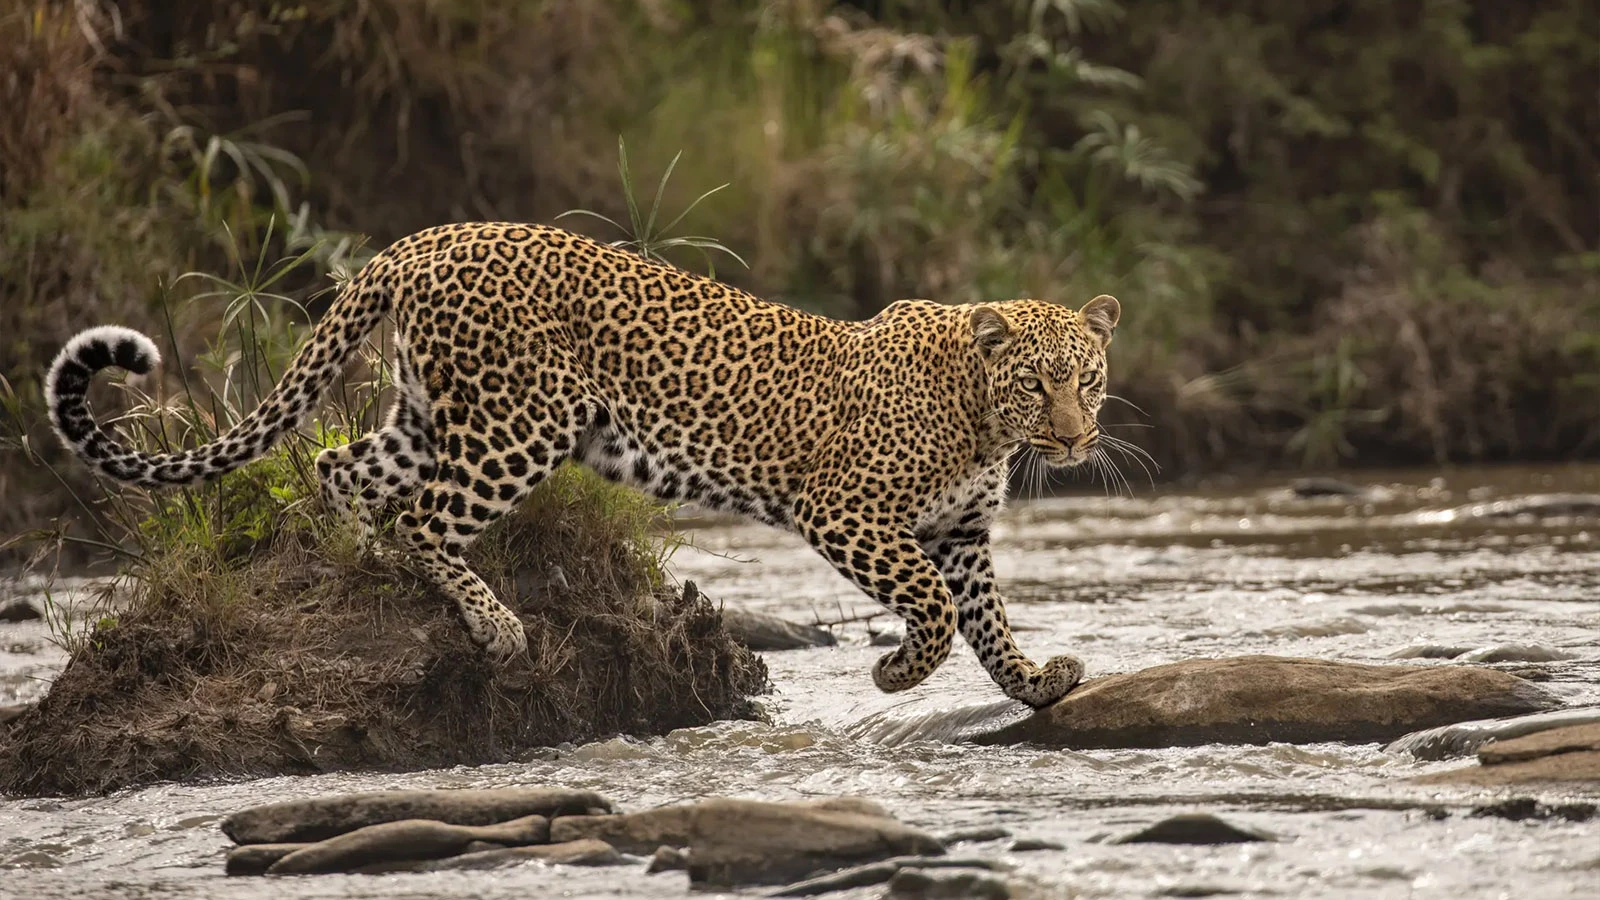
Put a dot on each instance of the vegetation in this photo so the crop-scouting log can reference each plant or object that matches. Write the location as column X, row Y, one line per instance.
column 260, row 632
column 1344, row 231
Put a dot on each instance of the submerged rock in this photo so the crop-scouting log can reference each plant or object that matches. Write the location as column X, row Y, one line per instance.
column 917, row 884
column 1193, row 828
column 1570, row 754
column 1547, row 506
column 256, row 859
column 1514, row 653
column 326, row 817
column 1265, row 699
column 878, row 873
column 975, row 835
column 19, row 611
column 1428, row 651
column 571, row 853
column 406, row 841
column 761, row 632
column 733, row 842
column 1325, row 487
column 13, row 712
column 1463, row 738
column 1525, row 809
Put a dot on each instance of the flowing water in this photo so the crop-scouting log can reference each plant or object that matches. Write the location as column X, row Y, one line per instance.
column 1123, row 583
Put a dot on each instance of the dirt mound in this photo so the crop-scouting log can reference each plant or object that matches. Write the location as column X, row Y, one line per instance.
column 294, row 661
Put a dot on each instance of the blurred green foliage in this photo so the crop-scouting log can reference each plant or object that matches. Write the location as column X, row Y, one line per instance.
column 1343, row 230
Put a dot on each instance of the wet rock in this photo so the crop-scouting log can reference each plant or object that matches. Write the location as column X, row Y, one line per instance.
column 1570, row 754
column 876, row 873
column 572, row 853
column 1514, row 653
column 1543, row 506
column 761, row 632
column 1325, row 487
column 1264, row 699
column 1525, row 809
column 1193, row 828
column 918, row 884
column 1574, row 768
column 1029, row 845
column 406, row 841
column 1428, row 651
column 256, row 859
column 667, row 859
column 19, row 611
column 1571, row 739
column 975, row 835
column 325, row 817
column 751, row 842
column 13, row 712
column 1463, row 738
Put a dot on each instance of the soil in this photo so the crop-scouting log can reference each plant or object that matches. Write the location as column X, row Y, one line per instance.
column 288, row 664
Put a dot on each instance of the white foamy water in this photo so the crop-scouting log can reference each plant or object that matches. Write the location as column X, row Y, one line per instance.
column 1122, row 583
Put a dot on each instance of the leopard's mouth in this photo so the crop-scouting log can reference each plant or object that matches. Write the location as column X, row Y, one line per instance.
column 1058, row 454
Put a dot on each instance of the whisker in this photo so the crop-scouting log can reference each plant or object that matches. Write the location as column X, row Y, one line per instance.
column 1128, row 447
column 1133, row 453
column 1124, row 400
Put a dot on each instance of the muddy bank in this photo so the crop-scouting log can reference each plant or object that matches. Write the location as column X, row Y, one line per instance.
column 293, row 663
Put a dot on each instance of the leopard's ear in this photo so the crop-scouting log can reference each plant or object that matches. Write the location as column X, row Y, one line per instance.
column 990, row 331
column 1100, row 317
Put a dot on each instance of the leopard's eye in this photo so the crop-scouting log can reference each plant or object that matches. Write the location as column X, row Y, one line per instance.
column 1029, row 383
column 1087, row 377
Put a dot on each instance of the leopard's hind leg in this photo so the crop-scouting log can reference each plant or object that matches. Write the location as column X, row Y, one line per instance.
column 481, row 476
column 363, row 476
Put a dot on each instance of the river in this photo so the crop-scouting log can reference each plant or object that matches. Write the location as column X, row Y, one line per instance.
column 1168, row 574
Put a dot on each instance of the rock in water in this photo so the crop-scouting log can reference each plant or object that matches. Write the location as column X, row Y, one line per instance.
column 406, row 841
column 751, row 842
column 761, row 632
column 325, row 817
column 1325, row 487
column 1264, row 699
column 1463, row 738
column 1192, row 828
column 256, row 859
column 19, row 611
column 11, row 713
column 1514, row 653
column 1570, row 754
column 916, row 884
column 572, row 853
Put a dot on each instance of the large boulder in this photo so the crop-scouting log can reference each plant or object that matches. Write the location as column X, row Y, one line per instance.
column 1267, row 699
column 1570, row 755
column 324, row 817
column 751, row 842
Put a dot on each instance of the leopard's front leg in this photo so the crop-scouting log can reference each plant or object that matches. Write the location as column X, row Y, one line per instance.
column 963, row 558
column 892, row 569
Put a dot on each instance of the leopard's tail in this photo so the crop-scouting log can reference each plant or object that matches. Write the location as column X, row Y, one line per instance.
column 362, row 303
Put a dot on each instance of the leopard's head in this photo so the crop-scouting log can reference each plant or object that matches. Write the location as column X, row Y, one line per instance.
column 1045, row 368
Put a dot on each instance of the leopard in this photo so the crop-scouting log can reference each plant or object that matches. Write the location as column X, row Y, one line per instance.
column 884, row 443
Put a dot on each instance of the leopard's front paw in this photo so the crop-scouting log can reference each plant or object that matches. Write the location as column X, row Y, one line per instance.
column 893, row 672
column 1047, row 683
